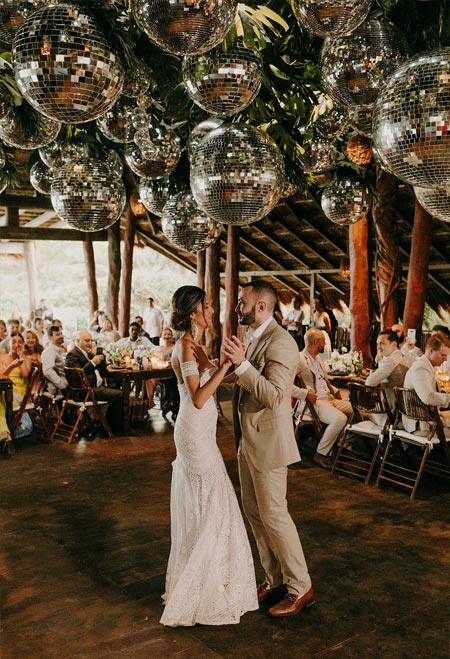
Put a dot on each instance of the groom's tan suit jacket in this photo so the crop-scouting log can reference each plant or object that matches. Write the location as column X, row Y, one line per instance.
column 262, row 410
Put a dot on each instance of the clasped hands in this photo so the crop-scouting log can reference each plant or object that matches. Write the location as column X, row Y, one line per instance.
column 232, row 350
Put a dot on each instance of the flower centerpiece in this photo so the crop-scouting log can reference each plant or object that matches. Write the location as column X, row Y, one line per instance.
column 118, row 355
column 344, row 362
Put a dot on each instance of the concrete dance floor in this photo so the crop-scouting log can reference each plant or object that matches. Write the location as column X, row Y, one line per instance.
column 85, row 536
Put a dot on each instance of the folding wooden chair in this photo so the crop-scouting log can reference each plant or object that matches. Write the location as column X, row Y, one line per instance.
column 32, row 405
column 374, row 417
column 398, row 465
column 80, row 404
column 306, row 420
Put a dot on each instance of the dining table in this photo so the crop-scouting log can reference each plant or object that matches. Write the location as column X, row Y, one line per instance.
column 6, row 387
column 125, row 377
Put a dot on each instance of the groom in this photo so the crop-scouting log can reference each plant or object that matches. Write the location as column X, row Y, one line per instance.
column 266, row 444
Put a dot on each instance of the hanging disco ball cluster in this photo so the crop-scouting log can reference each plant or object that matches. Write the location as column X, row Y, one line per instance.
column 186, row 225
column 331, row 18
column 13, row 13
column 346, row 201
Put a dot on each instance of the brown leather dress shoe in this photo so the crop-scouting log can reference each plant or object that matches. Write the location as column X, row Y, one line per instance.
column 264, row 590
column 292, row 604
column 324, row 461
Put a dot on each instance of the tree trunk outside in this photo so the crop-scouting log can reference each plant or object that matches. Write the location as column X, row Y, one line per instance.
column 89, row 259
column 114, row 260
column 212, row 287
column 360, row 289
column 231, row 281
column 127, row 272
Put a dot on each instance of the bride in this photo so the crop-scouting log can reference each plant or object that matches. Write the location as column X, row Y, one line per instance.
column 210, row 575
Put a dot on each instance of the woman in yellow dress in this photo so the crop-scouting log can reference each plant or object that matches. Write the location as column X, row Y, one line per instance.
column 17, row 367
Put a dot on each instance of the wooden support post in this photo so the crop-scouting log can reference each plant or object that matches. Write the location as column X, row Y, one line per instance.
column 114, row 261
column 418, row 270
column 312, row 295
column 231, row 281
column 360, row 289
column 89, row 259
column 32, row 274
column 127, row 272
column 212, row 287
column 201, row 265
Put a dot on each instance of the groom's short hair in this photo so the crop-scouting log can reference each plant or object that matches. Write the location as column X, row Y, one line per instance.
column 265, row 291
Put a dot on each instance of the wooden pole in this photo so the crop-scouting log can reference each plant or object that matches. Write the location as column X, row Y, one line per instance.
column 89, row 259
column 360, row 289
column 32, row 274
column 201, row 265
column 231, row 281
column 212, row 287
column 127, row 272
column 418, row 270
column 114, row 261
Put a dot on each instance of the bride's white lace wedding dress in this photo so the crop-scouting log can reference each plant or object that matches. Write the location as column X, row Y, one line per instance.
column 210, row 575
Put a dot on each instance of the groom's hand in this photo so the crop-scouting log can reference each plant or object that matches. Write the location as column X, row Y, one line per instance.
column 234, row 350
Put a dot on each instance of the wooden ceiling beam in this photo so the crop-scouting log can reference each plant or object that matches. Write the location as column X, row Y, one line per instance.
column 161, row 248
column 314, row 203
column 280, row 280
column 20, row 233
column 23, row 201
column 292, row 233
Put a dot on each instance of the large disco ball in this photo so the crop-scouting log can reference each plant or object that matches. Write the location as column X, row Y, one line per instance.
column 13, row 13
column 436, row 201
column 223, row 83
column 354, row 68
column 198, row 133
column 41, row 177
column 64, row 65
column 115, row 124
column 331, row 18
column 411, row 121
column 346, row 201
column 28, row 135
column 319, row 156
column 154, row 153
column 237, row 175
column 185, row 27
column 186, row 225
column 155, row 193
column 87, row 195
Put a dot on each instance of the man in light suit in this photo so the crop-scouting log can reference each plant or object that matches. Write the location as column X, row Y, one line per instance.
column 266, row 444
column 331, row 409
column 422, row 378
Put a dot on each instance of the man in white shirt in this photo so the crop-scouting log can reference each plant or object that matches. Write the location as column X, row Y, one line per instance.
column 134, row 340
column 53, row 361
column 153, row 321
column 331, row 409
column 406, row 346
column 391, row 369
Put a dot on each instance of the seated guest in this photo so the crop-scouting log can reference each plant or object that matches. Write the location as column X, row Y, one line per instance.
column 33, row 348
column 446, row 332
column 38, row 327
column 107, row 334
column 3, row 331
column 140, row 321
column 164, row 351
column 53, row 358
column 331, row 409
column 17, row 367
column 407, row 346
column 13, row 330
column 134, row 341
column 422, row 378
column 94, row 366
column 391, row 369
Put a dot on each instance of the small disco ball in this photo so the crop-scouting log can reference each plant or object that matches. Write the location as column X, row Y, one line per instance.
column 289, row 189
column 436, row 201
column 32, row 135
column 319, row 156
column 331, row 18
column 198, row 133
column 155, row 193
column 354, row 68
column 12, row 15
column 6, row 107
column 185, row 27
column 346, row 201
column 64, row 65
column 2, row 157
column 360, row 119
column 41, row 177
column 138, row 80
column 411, row 121
column 332, row 124
column 153, row 154
column 115, row 124
column 186, row 225
column 223, row 83
column 87, row 195
column 237, row 175
column 114, row 161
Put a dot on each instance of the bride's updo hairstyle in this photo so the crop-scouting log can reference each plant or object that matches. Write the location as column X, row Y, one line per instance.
column 184, row 302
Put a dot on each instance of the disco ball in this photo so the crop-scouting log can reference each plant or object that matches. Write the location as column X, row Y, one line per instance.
column 186, row 225
column 185, row 27
column 154, row 153
column 360, row 119
column 13, row 13
column 289, row 189
column 52, row 155
column 114, row 161
column 41, row 177
column 332, row 124
column 64, row 65
column 6, row 107
column 198, row 133
column 354, row 68
column 87, row 195
column 2, row 158
column 319, row 156
column 115, row 124
column 346, row 201
column 436, row 201
column 155, row 193
column 30, row 135
column 331, row 18
column 411, row 121
column 223, row 83
column 138, row 80
column 237, row 175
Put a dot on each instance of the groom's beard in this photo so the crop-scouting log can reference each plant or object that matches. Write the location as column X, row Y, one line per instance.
column 248, row 318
